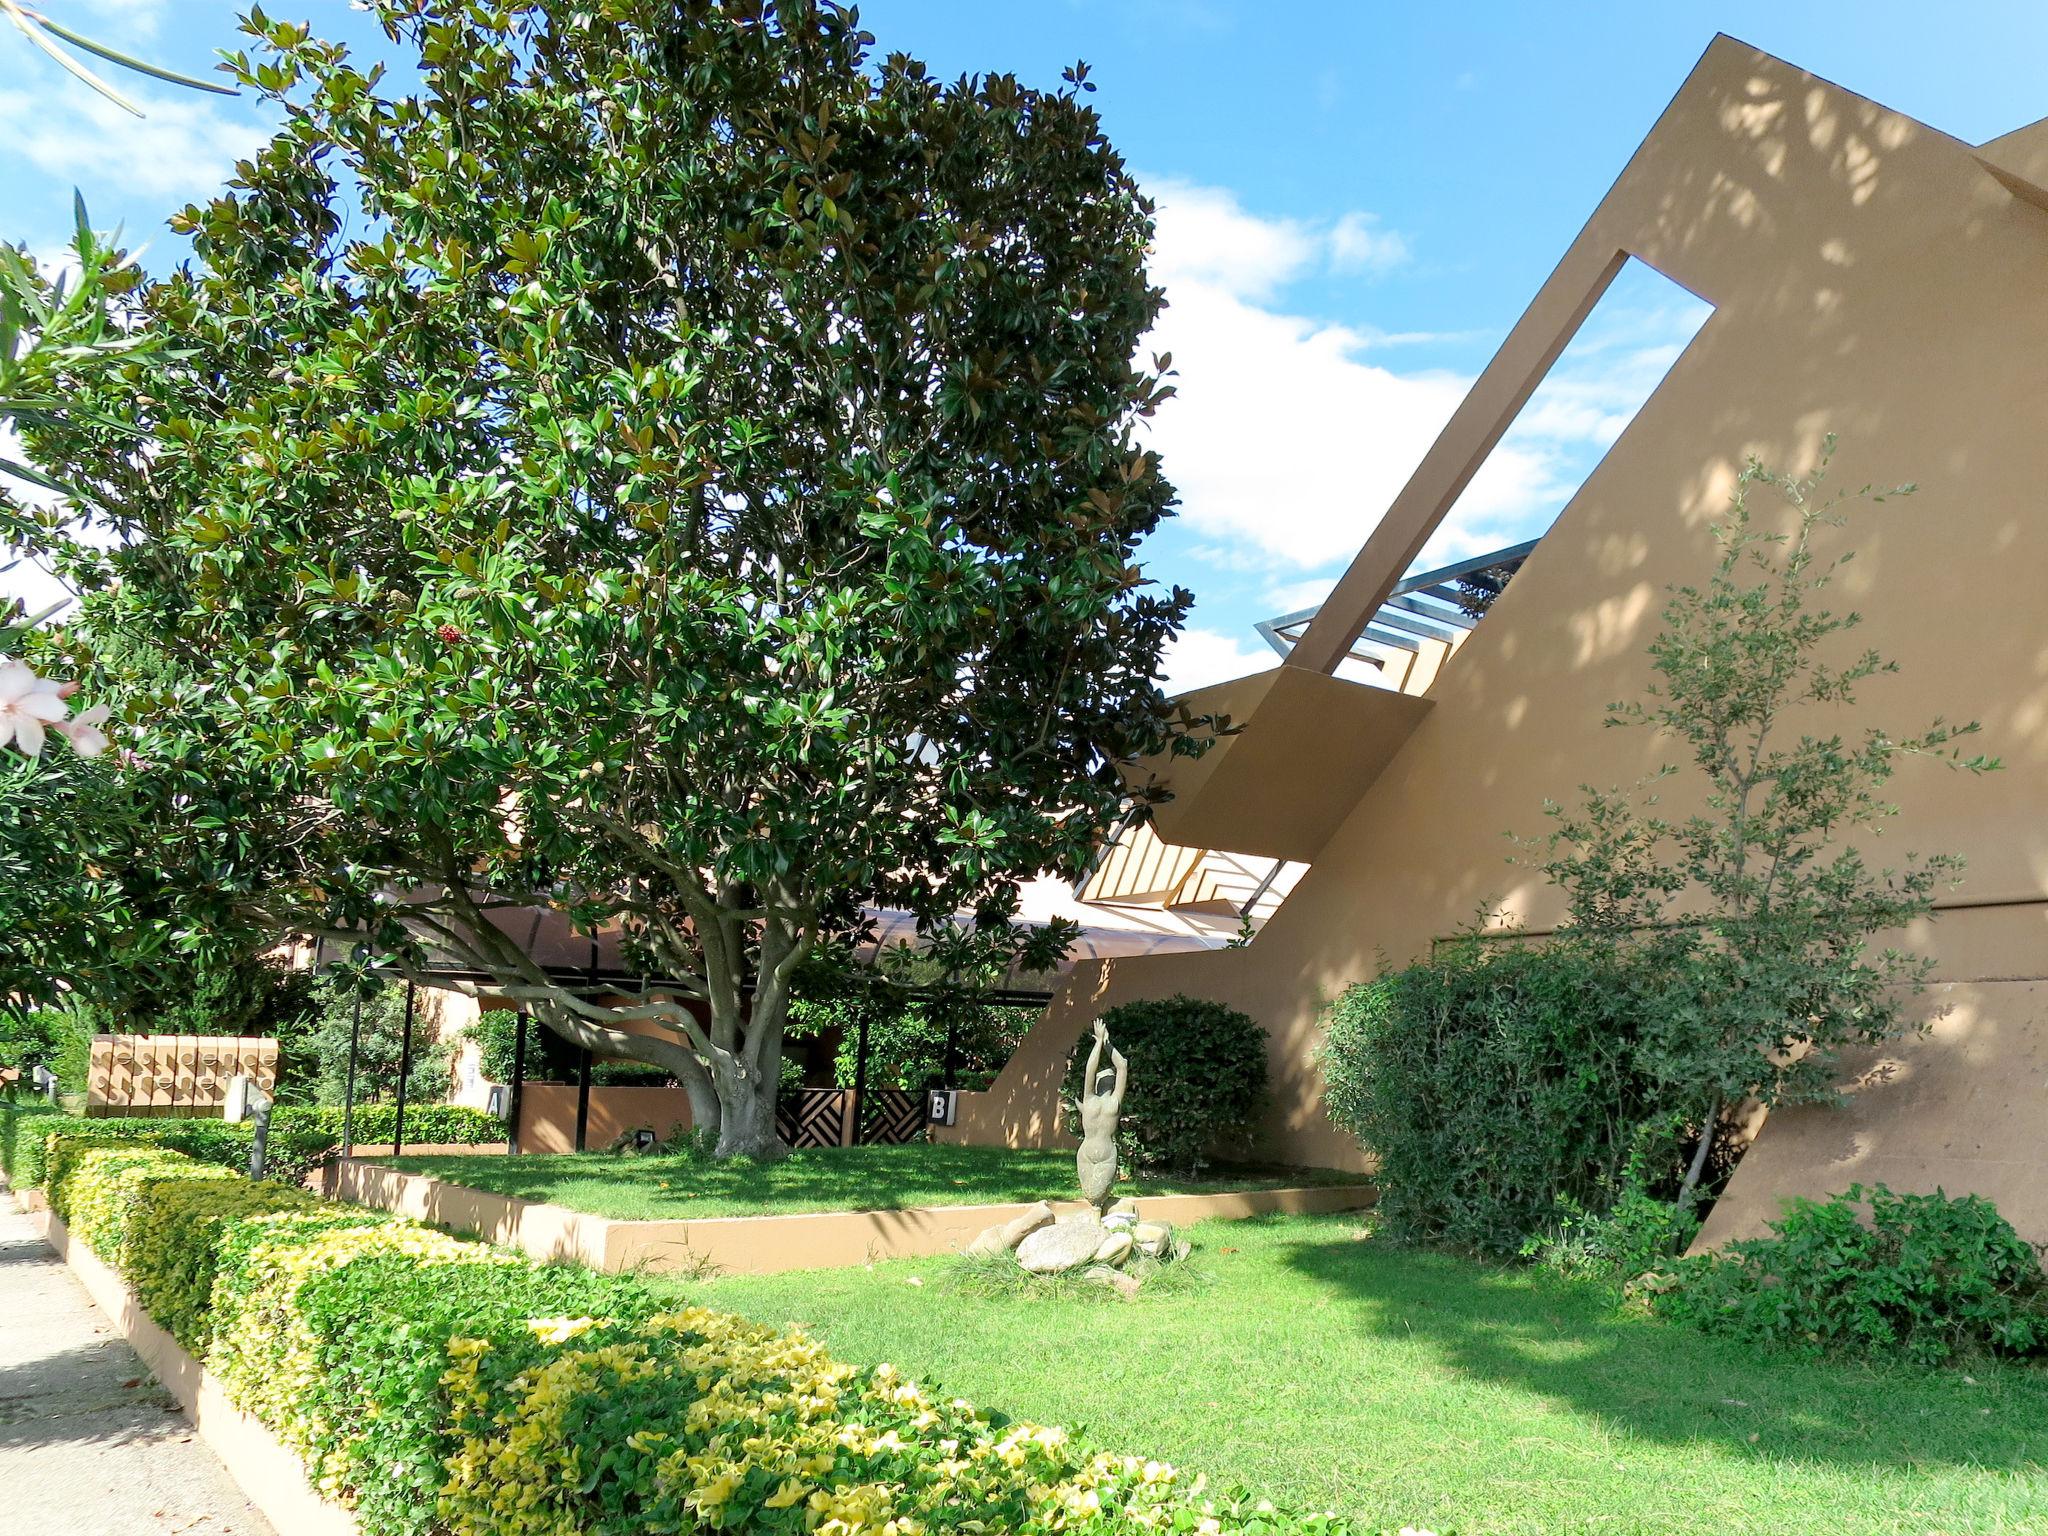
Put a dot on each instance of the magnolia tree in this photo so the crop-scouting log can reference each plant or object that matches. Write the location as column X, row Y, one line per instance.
column 663, row 465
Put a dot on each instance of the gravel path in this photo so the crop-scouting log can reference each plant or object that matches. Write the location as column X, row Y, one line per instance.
column 90, row 1445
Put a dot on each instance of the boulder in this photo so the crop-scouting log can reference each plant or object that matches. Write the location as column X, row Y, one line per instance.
column 1005, row 1237
column 1116, row 1247
column 1153, row 1238
column 1070, row 1241
column 1101, row 1274
column 1125, row 1207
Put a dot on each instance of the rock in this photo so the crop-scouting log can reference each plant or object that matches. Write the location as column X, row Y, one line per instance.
column 1152, row 1238
column 1125, row 1207
column 1116, row 1247
column 1116, row 1221
column 1115, row 1279
column 1005, row 1238
column 1070, row 1241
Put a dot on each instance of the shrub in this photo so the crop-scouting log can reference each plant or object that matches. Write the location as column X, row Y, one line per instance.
column 1197, row 1079
column 96, row 1187
column 437, row 1385
column 173, row 1242
column 1500, row 1087
column 1872, row 1272
column 300, row 1137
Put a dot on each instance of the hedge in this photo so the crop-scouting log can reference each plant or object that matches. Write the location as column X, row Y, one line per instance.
column 441, row 1387
column 299, row 1136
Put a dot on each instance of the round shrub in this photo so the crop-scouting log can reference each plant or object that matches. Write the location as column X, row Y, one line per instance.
column 1872, row 1272
column 1197, row 1080
column 1502, row 1089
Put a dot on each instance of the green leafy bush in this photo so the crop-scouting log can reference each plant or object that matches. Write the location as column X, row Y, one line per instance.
column 441, row 1387
column 1872, row 1272
column 300, row 1136
column 172, row 1241
column 1197, row 1080
column 1501, row 1088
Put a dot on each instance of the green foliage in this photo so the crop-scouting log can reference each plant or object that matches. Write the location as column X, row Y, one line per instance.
column 1501, row 1088
column 909, row 1011
column 440, row 1386
column 1636, row 1234
column 699, row 535
column 549, row 1057
column 1872, row 1272
column 57, row 1037
column 324, row 1051
column 1779, row 913
column 300, row 1137
column 1197, row 1080
column 172, row 1243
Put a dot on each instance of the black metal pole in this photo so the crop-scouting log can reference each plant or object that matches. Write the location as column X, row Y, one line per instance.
column 860, row 1079
column 404, row 1071
column 348, row 1092
column 583, row 1099
column 518, row 1082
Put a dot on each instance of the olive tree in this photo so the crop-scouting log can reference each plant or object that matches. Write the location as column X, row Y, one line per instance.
column 664, row 465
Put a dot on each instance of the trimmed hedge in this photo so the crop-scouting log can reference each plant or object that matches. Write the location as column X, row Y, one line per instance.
column 441, row 1387
column 299, row 1136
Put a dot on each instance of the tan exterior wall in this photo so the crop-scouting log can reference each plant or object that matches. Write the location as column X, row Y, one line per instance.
column 1871, row 277
column 547, row 1115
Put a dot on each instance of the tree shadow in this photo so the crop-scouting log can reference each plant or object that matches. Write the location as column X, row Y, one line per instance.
column 1570, row 1344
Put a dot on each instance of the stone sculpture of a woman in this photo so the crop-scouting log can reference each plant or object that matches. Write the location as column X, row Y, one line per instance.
column 1102, row 1098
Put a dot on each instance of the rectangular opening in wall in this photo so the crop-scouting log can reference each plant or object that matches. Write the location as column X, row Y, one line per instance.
column 1603, row 377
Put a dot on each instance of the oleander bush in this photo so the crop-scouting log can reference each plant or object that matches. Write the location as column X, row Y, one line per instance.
column 1197, row 1080
column 1872, row 1272
column 441, row 1387
column 300, row 1138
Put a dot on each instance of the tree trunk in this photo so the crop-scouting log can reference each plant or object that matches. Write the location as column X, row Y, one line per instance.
column 746, row 1126
column 1699, row 1156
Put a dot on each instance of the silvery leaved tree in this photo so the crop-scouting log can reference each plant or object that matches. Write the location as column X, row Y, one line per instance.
column 665, row 465
column 1766, row 916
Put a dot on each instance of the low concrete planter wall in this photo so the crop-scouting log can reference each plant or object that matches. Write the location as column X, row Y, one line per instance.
column 766, row 1245
column 269, row 1474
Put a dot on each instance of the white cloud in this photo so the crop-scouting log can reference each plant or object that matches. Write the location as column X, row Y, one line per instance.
column 1287, row 439
column 183, row 148
column 1198, row 657
column 1204, row 236
column 1358, row 244
column 123, row 21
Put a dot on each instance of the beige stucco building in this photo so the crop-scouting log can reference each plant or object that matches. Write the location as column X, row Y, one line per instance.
column 1870, row 277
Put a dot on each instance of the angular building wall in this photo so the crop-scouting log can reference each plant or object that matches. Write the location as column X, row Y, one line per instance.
column 1871, row 277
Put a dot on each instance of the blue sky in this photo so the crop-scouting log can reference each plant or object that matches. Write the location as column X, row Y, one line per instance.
column 1357, row 200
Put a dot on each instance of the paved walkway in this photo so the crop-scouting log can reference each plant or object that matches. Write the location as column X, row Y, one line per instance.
column 90, row 1445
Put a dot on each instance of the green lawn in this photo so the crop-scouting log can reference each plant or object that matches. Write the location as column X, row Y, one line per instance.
column 1408, row 1388
column 837, row 1179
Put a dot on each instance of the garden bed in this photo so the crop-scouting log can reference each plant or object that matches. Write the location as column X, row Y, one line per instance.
column 890, row 1205
column 1406, row 1388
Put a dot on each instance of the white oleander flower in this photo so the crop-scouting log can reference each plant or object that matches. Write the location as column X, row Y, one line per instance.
column 28, row 706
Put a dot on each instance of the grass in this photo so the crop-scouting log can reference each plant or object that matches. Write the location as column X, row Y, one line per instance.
column 1407, row 1388
column 835, row 1179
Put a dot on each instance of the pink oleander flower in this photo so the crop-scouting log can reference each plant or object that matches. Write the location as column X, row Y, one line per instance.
column 28, row 704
